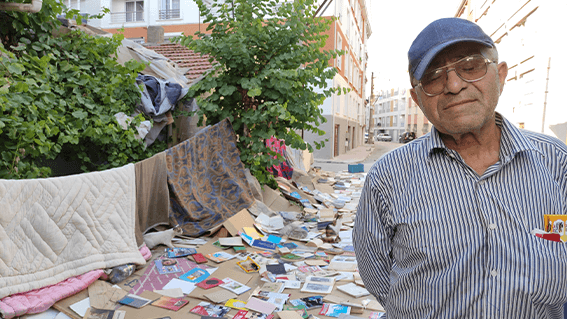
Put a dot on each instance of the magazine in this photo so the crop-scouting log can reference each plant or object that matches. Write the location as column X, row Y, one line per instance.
column 179, row 252
column 207, row 309
column 334, row 310
column 234, row 286
column 195, row 275
column 164, row 269
column 134, row 301
column 170, row 303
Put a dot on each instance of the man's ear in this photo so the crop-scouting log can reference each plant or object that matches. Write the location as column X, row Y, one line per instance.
column 502, row 74
column 414, row 96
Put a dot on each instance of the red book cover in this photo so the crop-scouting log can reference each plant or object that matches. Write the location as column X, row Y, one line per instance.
column 210, row 283
column 199, row 258
column 170, row 303
column 241, row 314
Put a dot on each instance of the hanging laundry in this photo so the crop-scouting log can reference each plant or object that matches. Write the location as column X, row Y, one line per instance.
column 283, row 169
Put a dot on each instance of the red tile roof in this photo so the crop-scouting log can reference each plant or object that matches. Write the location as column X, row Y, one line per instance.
column 184, row 58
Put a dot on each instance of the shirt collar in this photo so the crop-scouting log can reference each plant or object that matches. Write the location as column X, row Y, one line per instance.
column 512, row 141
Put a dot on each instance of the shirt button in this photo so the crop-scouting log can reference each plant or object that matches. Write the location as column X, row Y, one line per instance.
column 494, row 273
column 492, row 226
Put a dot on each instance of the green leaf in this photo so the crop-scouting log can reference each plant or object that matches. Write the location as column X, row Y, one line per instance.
column 254, row 92
column 80, row 114
column 15, row 68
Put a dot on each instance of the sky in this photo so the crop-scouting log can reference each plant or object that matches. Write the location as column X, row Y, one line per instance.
column 395, row 24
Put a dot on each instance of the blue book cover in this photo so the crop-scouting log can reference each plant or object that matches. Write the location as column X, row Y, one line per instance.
column 263, row 244
column 274, row 239
column 180, row 252
column 195, row 275
column 295, row 195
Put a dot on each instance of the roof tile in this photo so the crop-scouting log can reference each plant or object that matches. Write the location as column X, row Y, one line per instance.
column 198, row 64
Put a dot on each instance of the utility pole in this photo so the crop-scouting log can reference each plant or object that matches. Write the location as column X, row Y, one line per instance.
column 371, row 120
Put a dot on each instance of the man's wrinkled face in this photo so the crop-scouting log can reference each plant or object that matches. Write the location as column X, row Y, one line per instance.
column 462, row 107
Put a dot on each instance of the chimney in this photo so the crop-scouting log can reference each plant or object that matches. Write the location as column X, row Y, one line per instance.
column 155, row 34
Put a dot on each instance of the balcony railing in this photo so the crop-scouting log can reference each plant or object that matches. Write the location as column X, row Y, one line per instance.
column 128, row 16
column 169, row 14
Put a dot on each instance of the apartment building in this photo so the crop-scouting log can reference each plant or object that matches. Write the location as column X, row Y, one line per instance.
column 346, row 113
column 395, row 112
column 525, row 33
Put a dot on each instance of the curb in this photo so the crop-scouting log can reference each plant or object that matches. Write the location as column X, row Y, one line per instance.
column 343, row 162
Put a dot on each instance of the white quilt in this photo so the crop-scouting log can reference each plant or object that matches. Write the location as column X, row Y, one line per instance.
column 55, row 228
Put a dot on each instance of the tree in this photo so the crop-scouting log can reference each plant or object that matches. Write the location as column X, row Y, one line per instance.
column 270, row 74
column 59, row 95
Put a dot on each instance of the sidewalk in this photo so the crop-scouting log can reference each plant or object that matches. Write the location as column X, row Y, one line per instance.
column 355, row 155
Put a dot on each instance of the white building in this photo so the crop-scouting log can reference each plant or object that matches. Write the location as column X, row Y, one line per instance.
column 345, row 114
column 526, row 35
column 395, row 112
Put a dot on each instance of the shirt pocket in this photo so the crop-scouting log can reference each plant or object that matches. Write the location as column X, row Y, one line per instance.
column 547, row 270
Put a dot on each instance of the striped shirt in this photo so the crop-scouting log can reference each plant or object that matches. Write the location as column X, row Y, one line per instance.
column 433, row 239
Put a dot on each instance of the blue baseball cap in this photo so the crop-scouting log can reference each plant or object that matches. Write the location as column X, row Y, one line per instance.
column 438, row 35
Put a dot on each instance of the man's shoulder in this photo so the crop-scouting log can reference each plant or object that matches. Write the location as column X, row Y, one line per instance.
column 545, row 143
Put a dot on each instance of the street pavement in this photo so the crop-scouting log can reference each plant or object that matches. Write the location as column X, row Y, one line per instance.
column 366, row 154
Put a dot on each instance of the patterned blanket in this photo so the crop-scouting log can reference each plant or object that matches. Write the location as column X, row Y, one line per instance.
column 206, row 179
column 55, row 228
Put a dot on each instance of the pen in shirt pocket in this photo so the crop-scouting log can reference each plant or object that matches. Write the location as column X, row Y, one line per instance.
column 545, row 235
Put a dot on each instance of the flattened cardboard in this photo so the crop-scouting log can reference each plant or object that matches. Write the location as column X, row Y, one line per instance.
column 334, row 299
column 220, row 296
column 315, row 262
column 286, row 314
column 100, row 293
column 63, row 304
column 235, row 223
column 375, row 305
column 261, row 306
column 173, row 293
column 274, row 201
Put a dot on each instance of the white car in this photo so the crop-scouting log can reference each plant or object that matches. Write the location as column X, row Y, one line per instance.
column 384, row 137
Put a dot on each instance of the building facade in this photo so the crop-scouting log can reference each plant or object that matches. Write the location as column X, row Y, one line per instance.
column 345, row 113
column 525, row 34
column 395, row 112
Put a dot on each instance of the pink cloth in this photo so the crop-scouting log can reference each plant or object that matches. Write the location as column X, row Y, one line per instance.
column 39, row 300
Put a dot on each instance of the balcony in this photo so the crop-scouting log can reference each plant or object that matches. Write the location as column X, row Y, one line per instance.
column 169, row 14
column 128, row 16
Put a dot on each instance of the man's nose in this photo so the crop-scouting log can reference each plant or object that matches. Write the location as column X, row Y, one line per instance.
column 454, row 83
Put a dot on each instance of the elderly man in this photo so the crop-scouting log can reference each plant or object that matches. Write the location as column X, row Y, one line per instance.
column 460, row 244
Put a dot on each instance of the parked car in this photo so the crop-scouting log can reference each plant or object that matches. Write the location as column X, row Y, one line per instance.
column 384, row 137
column 406, row 137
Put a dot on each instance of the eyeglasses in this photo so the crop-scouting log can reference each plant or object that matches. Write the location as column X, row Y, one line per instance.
column 470, row 69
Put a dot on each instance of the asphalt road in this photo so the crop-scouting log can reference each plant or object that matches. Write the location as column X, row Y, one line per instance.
column 380, row 148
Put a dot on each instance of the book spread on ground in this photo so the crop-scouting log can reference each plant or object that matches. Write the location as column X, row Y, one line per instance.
column 170, row 303
column 234, row 286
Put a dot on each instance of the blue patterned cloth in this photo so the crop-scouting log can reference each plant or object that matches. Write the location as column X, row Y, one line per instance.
column 433, row 239
column 206, row 180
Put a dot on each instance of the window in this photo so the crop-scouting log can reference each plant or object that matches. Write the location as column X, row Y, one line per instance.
column 346, row 64
column 339, row 47
column 134, row 11
column 169, row 10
